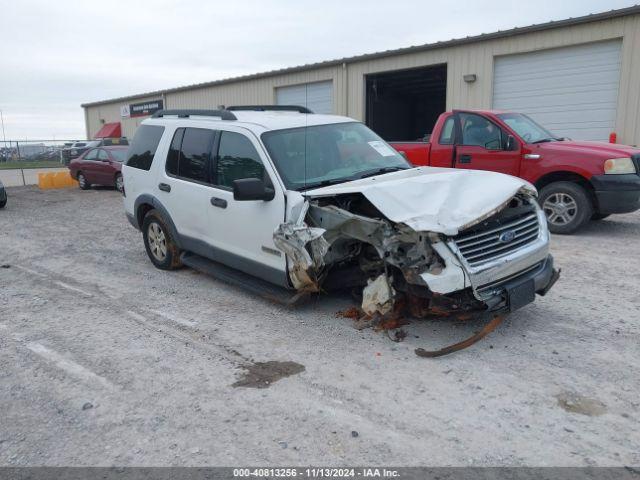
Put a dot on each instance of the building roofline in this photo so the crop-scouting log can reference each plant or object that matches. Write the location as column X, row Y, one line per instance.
column 592, row 17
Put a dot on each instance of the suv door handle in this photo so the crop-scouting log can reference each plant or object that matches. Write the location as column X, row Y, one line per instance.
column 165, row 187
column 464, row 159
column 218, row 202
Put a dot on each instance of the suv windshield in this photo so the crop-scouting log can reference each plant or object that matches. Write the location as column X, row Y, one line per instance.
column 308, row 157
column 527, row 129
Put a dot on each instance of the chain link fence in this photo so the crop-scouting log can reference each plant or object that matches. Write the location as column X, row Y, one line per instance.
column 14, row 151
column 22, row 160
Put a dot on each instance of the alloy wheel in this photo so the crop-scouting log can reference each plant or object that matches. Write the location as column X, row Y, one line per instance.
column 560, row 208
column 157, row 241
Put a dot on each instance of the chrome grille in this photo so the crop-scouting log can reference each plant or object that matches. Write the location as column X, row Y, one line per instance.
column 483, row 245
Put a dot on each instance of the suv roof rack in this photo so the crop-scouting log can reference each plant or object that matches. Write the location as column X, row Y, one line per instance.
column 223, row 114
column 270, row 108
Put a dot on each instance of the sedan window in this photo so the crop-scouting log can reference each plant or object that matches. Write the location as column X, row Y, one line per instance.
column 92, row 154
column 119, row 155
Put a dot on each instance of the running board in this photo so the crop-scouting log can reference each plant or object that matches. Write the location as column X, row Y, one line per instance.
column 240, row 279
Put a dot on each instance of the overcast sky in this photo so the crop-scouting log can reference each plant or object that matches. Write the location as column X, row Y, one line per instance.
column 55, row 55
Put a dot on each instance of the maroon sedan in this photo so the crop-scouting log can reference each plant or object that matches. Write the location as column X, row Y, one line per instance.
column 99, row 166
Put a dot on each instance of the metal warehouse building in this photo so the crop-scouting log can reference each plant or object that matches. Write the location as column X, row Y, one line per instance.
column 579, row 77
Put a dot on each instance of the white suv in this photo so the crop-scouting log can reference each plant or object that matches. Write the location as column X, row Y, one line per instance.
column 266, row 196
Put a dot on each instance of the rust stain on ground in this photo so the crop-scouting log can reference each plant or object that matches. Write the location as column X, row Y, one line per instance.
column 575, row 403
column 353, row 313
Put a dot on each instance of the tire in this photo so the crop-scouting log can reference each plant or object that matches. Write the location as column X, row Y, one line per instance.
column 599, row 216
column 82, row 181
column 161, row 248
column 3, row 203
column 118, row 182
column 567, row 206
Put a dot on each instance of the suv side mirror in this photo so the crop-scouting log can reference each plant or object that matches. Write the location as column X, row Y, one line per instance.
column 252, row 189
column 511, row 143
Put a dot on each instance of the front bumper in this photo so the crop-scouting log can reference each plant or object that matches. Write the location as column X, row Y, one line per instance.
column 617, row 193
column 520, row 291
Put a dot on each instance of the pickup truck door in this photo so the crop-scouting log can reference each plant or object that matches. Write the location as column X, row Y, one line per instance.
column 483, row 145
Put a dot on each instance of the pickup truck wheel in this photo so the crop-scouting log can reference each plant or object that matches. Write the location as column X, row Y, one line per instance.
column 599, row 216
column 82, row 182
column 160, row 246
column 566, row 205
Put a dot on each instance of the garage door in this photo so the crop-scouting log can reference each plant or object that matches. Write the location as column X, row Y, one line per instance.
column 572, row 91
column 317, row 96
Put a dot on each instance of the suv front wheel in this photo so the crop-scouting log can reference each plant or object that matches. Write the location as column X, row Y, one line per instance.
column 161, row 248
column 566, row 205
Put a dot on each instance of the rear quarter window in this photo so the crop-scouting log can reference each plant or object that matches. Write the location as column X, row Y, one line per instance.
column 144, row 146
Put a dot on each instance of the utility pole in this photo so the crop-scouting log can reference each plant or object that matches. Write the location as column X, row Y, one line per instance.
column 4, row 138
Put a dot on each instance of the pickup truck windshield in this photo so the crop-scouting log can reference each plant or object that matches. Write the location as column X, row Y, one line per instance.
column 308, row 157
column 526, row 128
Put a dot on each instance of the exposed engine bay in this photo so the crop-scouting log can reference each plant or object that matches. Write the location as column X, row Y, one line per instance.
column 345, row 242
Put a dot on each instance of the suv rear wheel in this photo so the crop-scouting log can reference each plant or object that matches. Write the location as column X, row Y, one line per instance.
column 161, row 248
column 566, row 205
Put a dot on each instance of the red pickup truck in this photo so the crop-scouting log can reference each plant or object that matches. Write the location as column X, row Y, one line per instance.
column 577, row 181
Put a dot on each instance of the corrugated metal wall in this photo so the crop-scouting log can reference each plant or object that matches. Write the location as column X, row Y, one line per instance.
column 478, row 58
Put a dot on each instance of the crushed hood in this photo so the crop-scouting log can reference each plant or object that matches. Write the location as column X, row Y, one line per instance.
column 441, row 200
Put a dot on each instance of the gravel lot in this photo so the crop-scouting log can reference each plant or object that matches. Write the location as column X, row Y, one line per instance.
column 105, row 360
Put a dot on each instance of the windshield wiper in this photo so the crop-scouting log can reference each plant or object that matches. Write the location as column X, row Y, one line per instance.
column 380, row 171
column 544, row 140
column 334, row 181
column 323, row 183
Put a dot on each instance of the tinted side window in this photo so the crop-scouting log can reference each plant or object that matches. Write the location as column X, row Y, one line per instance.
column 102, row 155
column 144, row 146
column 237, row 158
column 477, row 130
column 194, row 154
column 91, row 155
column 447, row 134
column 174, row 152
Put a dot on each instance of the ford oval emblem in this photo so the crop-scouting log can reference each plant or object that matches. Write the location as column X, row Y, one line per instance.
column 506, row 237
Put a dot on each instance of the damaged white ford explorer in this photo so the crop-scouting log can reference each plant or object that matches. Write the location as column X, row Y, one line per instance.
column 279, row 199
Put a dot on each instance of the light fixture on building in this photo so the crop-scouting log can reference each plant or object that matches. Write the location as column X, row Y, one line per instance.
column 102, row 121
column 470, row 77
